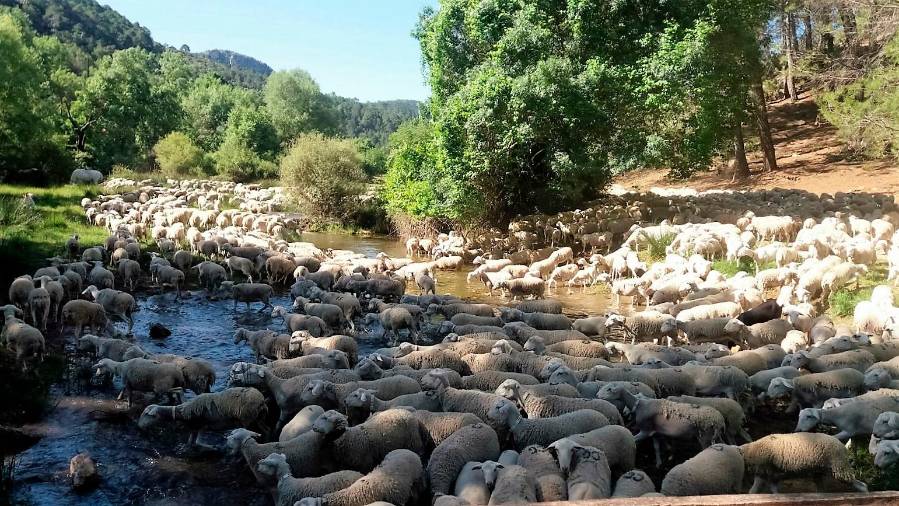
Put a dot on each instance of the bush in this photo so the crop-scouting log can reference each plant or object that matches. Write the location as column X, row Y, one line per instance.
column 408, row 188
column 237, row 162
column 178, row 156
column 326, row 175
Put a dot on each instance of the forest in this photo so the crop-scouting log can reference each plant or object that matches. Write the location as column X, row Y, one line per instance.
column 534, row 106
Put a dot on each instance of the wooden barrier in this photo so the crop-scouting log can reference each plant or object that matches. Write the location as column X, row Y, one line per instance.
column 847, row 499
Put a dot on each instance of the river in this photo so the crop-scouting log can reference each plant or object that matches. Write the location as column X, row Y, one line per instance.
column 156, row 467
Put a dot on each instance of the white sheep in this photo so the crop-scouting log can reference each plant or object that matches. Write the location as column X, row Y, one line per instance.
column 717, row 470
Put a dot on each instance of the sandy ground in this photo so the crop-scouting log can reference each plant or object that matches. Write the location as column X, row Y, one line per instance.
column 810, row 157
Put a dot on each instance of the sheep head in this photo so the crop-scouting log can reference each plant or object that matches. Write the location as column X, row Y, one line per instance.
column 887, row 425
column 877, row 378
column 500, row 347
column 240, row 335
column 504, row 413
column 809, row 418
column 780, row 387
column 368, row 370
column 297, row 340
column 360, row 398
column 299, row 303
column 151, row 416
column 734, row 326
column 536, row 345
column 435, row 380
column 236, row 439
column 510, row 389
column 564, row 450
column 562, row 376
column 274, row 466
column 887, row 453
column 491, row 470
column 315, row 390
column 279, row 312
column 330, row 422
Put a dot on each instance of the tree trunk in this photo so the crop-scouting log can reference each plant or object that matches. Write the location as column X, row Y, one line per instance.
column 760, row 111
column 807, row 34
column 850, row 29
column 789, row 42
column 741, row 165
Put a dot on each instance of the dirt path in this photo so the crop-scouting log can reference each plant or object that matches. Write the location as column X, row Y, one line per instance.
column 810, row 157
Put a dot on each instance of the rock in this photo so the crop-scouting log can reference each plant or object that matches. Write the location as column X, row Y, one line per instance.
column 83, row 471
column 158, row 331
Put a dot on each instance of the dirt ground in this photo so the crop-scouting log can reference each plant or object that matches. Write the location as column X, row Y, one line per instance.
column 810, row 157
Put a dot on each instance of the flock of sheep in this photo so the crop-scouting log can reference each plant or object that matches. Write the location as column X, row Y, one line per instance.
column 476, row 403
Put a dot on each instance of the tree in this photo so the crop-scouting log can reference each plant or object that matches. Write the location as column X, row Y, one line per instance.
column 296, row 105
column 325, row 175
column 249, row 143
column 178, row 156
column 207, row 105
column 408, row 187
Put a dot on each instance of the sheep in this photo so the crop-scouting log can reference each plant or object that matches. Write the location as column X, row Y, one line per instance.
column 101, row 277
column 521, row 288
column 594, row 326
column 588, row 472
column 382, row 433
column 199, row 375
column 26, row 341
column 39, row 306
column 716, row 310
column 115, row 303
column 539, row 306
column 717, row 470
column 103, row 347
column 795, row 340
column 642, row 326
column 240, row 264
column 633, row 483
column 542, row 467
column 393, row 320
column 548, row 406
column 639, row 353
column 886, row 453
column 704, row 331
column 674, row 419
column 252, row 292
column 760, row 334
column 448, row 310
column 327, row 393
column 811, row 390
column 331, row 314
column 471, row 443
column 542, row 431
column 428, row 359
column 303, row 453
column 470, row 485
column 860, row 360
column 667, row 381
column 539, row 321
column 396, row 480
column 169, row 276
column 748, row 361
column 129, row 271
column 81, row 313
column 300, row 423
column 762, row 313
column 510, row 484
column 289, row 490
column 314, row 325
column 489, row 381
column 230, row 408
column 775, row 456
column 730, row 409
column 142, row 375
column 759, row 381
column 83, row 471
column 615, row 441
column 461, row 401
column 265, row 343
column 470, row 319
column 853, row 419
column 362, row 402
column 303, row 341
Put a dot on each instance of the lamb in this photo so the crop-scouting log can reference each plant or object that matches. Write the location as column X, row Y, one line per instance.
column 230, row 408
column 331, row 314
column 142, row 375
column 542, row 467
column 693, row 477
column 730, row 409
column 860, row 360
column 521, row 288
column 382, row 433
column 674, row 419
column 327, row 393
column 289, row 490
column 397, row 480
column 81, row 312
column 300, row 423
column 811, row 390
column 115, row 303
column 303, row 341
column 265, row 343
column 461, row 401
column 303, row 453
column 760, row 334
column 615, row 441
column 852, row 419
column 471, row 443
column 103, row 347
column 802, row 454
column 252, row 292
column 393, row 320
column 25, row 340
column 548, row 406
column 470, row 485
column 510, row 484
column 633, row 483
column 314, row 325
column 542, row 431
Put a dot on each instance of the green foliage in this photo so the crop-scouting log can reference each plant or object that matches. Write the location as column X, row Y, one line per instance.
column 325, row 175
column 866, row 112
column 238, row 162
column 374, row 158
column 536, row 105
column 842, row 302
column 407, row 187
column 296, row 104
column 373, row 121
column 656, row 246
column 178, row 156
column 863, row 467
column 207, row 105
column 745, row 264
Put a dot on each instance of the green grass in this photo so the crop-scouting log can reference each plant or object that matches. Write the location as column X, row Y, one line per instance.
column 731, row 267
column 843, row 301
column 28, row 237
column 655, row 250
column 864, row 469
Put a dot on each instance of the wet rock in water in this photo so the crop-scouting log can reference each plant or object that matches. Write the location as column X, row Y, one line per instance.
column 83, row 472
column 158, row 331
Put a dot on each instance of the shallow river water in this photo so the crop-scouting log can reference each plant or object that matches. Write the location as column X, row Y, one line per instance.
column 156, row 467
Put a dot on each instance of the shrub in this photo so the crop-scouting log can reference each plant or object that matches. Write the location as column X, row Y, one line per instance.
column 178, row 156
column 237, row 162
column 326, row 175
column 408, row 188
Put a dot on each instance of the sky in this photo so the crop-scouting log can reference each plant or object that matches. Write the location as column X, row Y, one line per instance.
column 354, row 48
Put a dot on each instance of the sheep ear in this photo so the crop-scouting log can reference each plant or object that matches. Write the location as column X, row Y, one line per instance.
column 260, row 372
column 363, row 397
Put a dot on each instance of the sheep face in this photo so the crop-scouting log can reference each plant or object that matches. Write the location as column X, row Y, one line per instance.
column 887, row 453
column 780, row 387
column 887, row 425
column 535, row 344
column 236, row 439
column 734, row 326
column 150, row 417
column 877, row 378
column 491, row 470
column 272, row 465
column 330, row 422
column 504, row 413
column 550, row 368
column 368, row 370
column 314, row 391
column 359, row 398
column 510, row 389
column 809, row 418
column 564, row 450
column 500, row 347
column 562, row 376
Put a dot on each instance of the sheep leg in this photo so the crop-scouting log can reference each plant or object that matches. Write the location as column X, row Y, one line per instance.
column 860, row 486
column 656, row 445
column 744, row 435
column 757, row 484
column 844, row 436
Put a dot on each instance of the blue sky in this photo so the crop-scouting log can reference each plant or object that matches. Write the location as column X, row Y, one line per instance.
column 354, row 48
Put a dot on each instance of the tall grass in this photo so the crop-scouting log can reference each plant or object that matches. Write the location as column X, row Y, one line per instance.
column 731, row 267
column 842, row 302
column 655, row 250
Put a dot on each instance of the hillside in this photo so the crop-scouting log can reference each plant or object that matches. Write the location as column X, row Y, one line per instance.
column 810, row 156
column 236, row 60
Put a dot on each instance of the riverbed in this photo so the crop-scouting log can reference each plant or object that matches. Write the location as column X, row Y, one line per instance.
column 156, row 467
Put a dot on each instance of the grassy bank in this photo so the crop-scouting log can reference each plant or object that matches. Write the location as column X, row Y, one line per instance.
column 29, row 236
